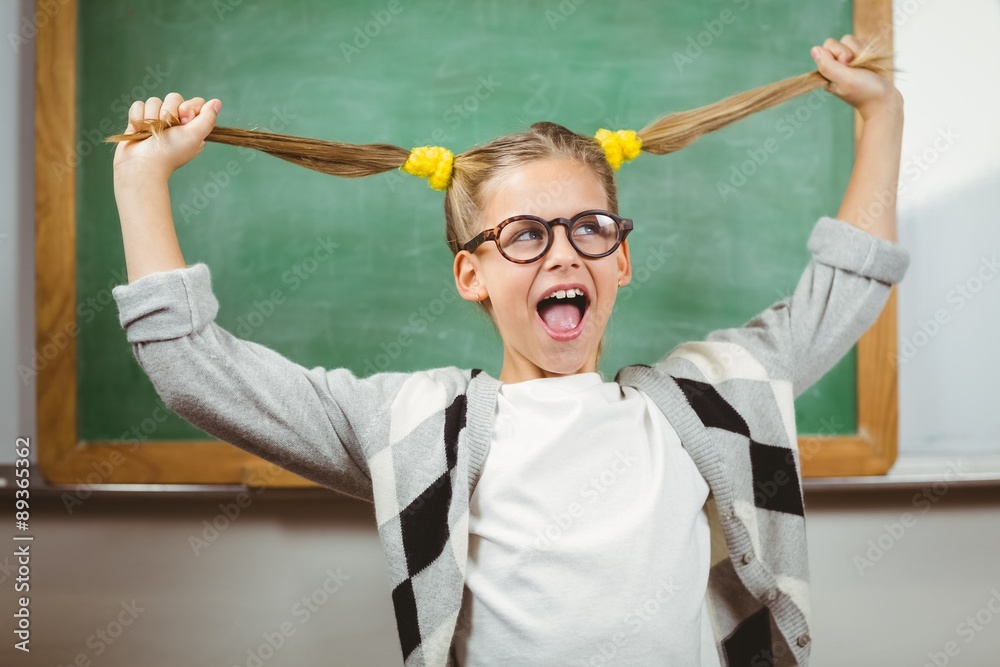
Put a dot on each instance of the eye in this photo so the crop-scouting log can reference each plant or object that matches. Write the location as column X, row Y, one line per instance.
column 522, row 232
column 593, row 224
column 529, row 234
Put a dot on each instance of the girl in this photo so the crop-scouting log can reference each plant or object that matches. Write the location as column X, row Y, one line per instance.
column 546, row 516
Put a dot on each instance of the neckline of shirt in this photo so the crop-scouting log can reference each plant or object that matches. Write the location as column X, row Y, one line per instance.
column 566, row 383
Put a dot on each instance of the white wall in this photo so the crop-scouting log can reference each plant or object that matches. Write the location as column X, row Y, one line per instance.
column 206, row 607
column 895, row 574
column 949, row 210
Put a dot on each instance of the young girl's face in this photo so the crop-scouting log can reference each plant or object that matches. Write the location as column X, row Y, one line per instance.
column 544, row 341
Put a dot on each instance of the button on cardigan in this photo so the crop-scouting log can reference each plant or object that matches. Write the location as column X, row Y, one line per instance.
column 413, row 444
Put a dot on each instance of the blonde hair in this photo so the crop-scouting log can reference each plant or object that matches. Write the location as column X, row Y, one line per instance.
column 475, row 171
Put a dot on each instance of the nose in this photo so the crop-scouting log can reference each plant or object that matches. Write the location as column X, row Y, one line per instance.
column 562, row 252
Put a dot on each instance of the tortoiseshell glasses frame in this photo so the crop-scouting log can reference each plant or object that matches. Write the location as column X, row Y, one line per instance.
column 578, row 222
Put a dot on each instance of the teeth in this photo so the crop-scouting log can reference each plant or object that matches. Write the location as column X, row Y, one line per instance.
column 565, row 294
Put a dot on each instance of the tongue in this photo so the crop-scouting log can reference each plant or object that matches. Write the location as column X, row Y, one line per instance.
column 561, row 317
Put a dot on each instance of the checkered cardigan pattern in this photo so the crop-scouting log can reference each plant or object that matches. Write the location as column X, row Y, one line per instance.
column 414, row 444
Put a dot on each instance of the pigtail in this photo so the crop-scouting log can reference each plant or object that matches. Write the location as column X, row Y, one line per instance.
column 675, row 131
column 329, row 157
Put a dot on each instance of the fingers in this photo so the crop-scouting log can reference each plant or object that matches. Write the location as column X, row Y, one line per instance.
column 839, row 50
column 853, row 43
column 135, row 116
column 171, row 104
column 190, row 108
column 207, row 115
column 153, row 105
column 831, row 68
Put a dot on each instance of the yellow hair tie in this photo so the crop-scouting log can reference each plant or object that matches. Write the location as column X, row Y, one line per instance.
column 620, row 146
column 431, row 162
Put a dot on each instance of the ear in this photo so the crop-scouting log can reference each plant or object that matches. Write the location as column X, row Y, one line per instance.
column 624, row 264
column 468, row 278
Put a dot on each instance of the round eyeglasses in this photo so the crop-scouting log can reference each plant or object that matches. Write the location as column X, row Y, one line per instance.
column 526, row 238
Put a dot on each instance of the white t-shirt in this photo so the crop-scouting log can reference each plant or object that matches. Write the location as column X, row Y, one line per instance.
column 588, row 536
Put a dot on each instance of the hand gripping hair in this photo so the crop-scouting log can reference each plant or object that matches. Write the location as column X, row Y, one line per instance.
column 463, row 177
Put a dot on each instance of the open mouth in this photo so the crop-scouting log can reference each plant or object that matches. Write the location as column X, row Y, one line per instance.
column 563, row 312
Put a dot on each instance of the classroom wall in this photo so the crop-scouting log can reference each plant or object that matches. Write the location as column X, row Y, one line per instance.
column 932, row 556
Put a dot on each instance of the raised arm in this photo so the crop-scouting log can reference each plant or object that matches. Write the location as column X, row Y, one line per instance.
column 870, row 200
column 313, row 422
column 855, row 260
column 142, row 170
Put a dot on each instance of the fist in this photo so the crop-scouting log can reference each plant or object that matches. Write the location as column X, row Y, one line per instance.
column 863, row 89
column 172, row 147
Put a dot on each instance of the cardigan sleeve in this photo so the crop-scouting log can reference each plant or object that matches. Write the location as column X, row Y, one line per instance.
column 313, row 422
column 841, row 293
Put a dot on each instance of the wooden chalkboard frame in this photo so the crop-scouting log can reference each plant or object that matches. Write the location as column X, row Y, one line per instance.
column 64, row 459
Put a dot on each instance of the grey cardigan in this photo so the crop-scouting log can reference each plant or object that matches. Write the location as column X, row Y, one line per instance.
column 414, row 444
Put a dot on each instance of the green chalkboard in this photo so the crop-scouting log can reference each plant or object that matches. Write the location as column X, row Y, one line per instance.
column 331, row 272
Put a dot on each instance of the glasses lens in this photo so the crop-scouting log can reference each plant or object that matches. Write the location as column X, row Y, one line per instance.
column 523, row 239
column 595, row 234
